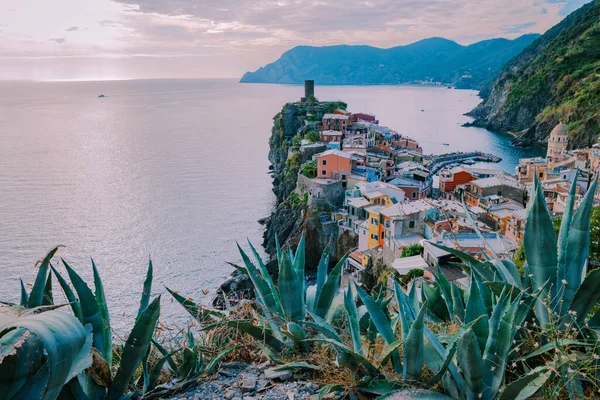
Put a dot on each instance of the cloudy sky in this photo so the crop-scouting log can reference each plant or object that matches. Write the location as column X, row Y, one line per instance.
column 110, row 39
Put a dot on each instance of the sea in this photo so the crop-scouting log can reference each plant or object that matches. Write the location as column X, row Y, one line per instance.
column 171, row 170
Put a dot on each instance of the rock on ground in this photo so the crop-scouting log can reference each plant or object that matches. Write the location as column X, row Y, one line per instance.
column 241, row 381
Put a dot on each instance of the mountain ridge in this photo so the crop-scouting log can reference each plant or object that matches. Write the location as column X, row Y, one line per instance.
column 432, row 59
column 556, row 78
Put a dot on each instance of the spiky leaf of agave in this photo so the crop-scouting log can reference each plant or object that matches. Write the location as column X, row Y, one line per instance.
column 91, row 314
column 469, row 360
column 103, row 308
column 540, row 250
column 291, row 290
column 352, row 312
column 381, row 322
column 40, row 353
column 578, row 247
column 135, row 348
column 414, row 349
column 330, row 289
column 36, row 297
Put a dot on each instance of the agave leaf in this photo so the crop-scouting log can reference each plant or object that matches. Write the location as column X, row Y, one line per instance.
column 414, row 349
column 135, row 349
column 527, row 385
column 457, row 302
column 330, row 289
column 587, row 296
column 578, row 247
column 24, row 296
column 147, row 289
column 264, row 291
column 486, row 270
column 296, row 366
column 103, row 308
column 510, row 269
column 90, row 314
column 325, row 390
column 413, row 298
column 501, row 333
column 563, row 236
column 352, row 312
column 75, row 306
column 299, row 257
column 540, row 248
column 291, row 288
column 214, row 362
column 156, row 369
column 384, row 357
column 431, row 337
column 558, row 344
column 381, row 323
column 469, row 359
column 67, row 346
column 355, row 358
column 323, row 327
column 435, row 302
column 279, row 252
column 445, row 290
column 165, row 353
column 48, row 297
column 322, row 272
column 450, row 351
column 381, row 387
column 267, row 278
column 200, row 314
column 476, row 309
column 36, row 297
column 188, row 366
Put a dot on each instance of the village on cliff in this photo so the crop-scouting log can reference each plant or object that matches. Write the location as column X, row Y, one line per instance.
column 398, row 201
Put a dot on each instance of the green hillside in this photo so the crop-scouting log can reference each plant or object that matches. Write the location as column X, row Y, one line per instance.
column 556, row 78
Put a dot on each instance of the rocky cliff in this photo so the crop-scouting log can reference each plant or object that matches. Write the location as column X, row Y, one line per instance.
column 292, row 215
column 556, row 78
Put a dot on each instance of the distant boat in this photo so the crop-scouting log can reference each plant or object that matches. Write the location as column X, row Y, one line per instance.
column 422, row 110
column 446, row 144
column 101, row 95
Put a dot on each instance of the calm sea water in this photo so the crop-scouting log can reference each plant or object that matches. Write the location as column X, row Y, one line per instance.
column 172, row 169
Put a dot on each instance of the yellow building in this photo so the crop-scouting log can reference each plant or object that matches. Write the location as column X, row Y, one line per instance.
column 375, row 230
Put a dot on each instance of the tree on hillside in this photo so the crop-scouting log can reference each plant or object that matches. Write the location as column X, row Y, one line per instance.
column 313, row 136
column 412, row 250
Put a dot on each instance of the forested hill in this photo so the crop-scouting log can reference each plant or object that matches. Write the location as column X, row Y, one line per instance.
column 556, row 78
column 434, row 59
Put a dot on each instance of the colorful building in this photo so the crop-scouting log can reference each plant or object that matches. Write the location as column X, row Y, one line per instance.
column 451, row 178
column 335, row 122
column 334, row 164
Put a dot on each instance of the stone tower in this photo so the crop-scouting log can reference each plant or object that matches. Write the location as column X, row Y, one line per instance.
column 309, row 88
column 558, row 141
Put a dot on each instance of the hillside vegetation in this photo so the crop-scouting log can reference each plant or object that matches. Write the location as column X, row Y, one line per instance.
column 434, row 59
column 556, row 78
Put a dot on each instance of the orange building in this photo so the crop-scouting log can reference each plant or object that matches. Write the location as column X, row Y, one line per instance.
column 449, row 179
column 333, row 164
column 335, row 122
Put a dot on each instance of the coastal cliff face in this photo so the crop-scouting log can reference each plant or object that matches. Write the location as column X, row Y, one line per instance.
column 292, row 215
column 556, row 78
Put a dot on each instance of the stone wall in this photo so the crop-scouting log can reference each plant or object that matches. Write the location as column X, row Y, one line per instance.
column 321, row 190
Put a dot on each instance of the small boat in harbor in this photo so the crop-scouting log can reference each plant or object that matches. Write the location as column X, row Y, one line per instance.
column 101, row 95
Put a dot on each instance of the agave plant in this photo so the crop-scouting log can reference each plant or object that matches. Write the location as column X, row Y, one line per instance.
column 90, row 310
column 283, row 308
column 41, row 350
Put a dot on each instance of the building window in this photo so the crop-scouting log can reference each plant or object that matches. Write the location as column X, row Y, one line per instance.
column 374, row 221
column 541, row 174
column 411, row 224
column 323, row 172
column 383, row 235
column 374, row 236
column 324, row 162
column 414, row 195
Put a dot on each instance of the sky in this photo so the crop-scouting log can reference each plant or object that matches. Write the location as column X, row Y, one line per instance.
column 139, row 39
